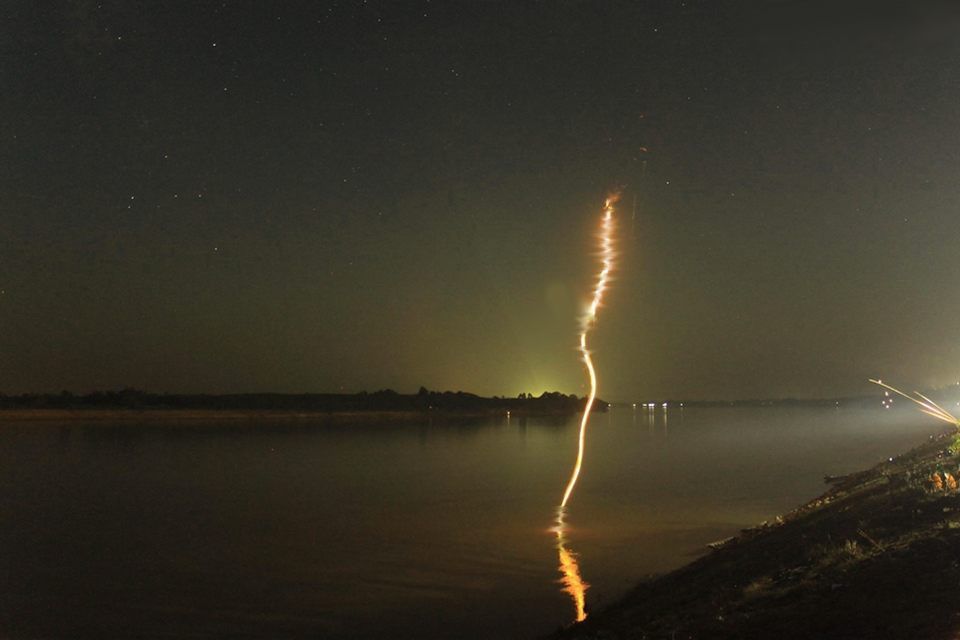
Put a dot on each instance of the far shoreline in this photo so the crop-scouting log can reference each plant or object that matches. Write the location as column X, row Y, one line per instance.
column 380, row 407
column 359, row 417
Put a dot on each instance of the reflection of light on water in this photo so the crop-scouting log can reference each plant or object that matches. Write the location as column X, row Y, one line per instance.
column 573, row 584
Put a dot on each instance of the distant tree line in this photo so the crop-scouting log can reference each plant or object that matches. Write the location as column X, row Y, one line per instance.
column 383, row 400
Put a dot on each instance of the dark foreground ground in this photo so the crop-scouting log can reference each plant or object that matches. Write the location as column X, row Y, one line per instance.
column 877, row 556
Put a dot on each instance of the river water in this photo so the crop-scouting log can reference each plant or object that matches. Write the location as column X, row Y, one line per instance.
column 427, row 530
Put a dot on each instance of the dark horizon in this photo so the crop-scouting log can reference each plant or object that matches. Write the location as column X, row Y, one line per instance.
column 125, row 395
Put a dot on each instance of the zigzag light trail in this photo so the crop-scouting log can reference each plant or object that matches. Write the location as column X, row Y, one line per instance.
column 607, row 255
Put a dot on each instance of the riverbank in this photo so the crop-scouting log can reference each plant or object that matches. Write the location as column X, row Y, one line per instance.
column 384, row 406
column 260, row 416
column 876, row 556
column 201, row 415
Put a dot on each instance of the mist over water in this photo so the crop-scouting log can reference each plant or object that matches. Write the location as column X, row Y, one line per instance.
column 425, row 530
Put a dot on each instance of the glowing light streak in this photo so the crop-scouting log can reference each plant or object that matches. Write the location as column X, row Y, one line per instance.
column 607, row 255
column 927, row 405
column 572, row 583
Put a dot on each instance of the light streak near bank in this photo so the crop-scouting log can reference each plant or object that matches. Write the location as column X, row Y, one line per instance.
column 589, row 319
column 927, row 405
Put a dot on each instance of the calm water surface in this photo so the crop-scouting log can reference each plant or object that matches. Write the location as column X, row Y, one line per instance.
column 418, row 530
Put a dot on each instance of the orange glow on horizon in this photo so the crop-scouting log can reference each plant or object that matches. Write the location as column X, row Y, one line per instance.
column 607, row 255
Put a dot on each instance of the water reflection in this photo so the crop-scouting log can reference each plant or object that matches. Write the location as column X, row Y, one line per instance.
column 187, row 527
column 573, row 584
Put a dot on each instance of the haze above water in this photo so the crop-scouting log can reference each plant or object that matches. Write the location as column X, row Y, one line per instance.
column 418, row 530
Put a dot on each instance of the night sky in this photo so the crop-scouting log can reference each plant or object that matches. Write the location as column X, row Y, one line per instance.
column 324, row 196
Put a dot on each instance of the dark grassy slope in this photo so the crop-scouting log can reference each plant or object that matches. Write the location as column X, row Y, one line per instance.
column 877, row 556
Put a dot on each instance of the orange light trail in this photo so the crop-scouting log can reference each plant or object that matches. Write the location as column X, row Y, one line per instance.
column 927, row 405
column 607, row 255
column 572, row 583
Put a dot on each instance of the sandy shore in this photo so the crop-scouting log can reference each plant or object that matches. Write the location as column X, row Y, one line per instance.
column 876, row 556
